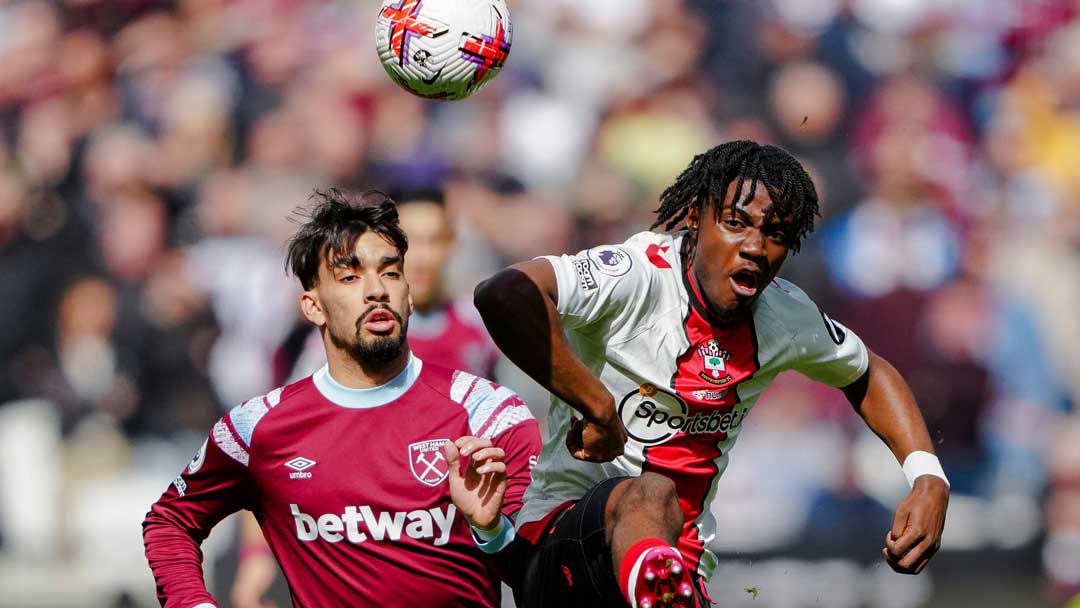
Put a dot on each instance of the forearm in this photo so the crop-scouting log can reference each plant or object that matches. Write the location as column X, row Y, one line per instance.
column 523, row 321
column 886, row 404
column 176, row 562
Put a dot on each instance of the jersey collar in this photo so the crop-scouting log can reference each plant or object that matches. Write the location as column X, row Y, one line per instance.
column 362, row 398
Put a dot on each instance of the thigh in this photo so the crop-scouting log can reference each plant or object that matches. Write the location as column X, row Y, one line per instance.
column 569, row 563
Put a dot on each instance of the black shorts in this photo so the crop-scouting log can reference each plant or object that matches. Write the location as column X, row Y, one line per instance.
column 565, row 560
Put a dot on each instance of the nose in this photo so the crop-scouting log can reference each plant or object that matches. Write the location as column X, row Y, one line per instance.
column 753, row 244
column 375, row 289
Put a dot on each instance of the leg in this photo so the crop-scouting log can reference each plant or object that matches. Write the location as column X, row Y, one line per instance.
column 643, row 524
column 572, row 560
column 640, row 508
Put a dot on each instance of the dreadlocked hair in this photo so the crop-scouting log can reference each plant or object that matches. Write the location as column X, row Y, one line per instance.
column 747, row 164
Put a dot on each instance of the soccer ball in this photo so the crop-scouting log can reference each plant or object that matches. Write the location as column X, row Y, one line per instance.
column 443, row 49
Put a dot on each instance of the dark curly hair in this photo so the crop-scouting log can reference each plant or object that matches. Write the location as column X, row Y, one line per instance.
column 333, row 223
column 746, row 163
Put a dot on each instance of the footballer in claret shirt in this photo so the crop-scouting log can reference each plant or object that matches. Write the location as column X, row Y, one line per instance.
column 346, row 470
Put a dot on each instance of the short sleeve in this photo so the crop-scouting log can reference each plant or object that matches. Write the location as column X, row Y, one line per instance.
column 600, row 288
column 824, row 350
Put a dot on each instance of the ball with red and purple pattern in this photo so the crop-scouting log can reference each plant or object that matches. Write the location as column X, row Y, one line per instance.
column 443, row 49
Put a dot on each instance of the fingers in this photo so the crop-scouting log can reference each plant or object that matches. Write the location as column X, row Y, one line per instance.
column 574, row 440
column 474, row 453
column 906, row 532
column 491, row 453
column 912, row 560
column 911, row 563
column 498, row 468
column 489, row 460
column 916, row 532
column 900, row 520
column 592, row 443
column 469, row 444
column 912, row 536
column 450, row 452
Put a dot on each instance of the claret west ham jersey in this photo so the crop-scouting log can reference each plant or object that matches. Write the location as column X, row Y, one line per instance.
column 350, row 489
column 683, row 386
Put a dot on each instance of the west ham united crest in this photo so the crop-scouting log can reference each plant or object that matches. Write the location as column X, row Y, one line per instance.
column 427, row 463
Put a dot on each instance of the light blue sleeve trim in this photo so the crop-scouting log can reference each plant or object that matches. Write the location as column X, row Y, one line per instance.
column 204, row 605
column 493, row 541
column 245, row 416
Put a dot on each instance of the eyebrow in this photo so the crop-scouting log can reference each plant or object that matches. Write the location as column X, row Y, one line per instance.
column 352, row 261
column 740, row 212
column 390, row 260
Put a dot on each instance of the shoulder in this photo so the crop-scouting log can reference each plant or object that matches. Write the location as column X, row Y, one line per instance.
column 643, row 253
column 787, row 300
column 234, row 432
column 490, row 407
column 640, row 264
column 784, row 311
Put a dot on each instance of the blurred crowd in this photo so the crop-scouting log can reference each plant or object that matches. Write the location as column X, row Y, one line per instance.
column 152, row 153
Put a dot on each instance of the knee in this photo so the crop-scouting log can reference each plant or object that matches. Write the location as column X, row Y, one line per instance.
column 652, row 492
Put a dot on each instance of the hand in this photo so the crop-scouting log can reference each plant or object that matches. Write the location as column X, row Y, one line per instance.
column 254, row 576
column 916, row 533
column 596, row 442
column 478, row 490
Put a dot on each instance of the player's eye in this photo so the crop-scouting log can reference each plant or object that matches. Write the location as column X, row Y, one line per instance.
column 349, row 278
column 392, row 274
column 776, row 235
column 734, row 223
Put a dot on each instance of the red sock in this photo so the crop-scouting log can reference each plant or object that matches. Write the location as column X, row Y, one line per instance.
column 630, row 563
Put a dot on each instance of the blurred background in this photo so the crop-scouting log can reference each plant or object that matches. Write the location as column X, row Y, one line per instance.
column 151, row 154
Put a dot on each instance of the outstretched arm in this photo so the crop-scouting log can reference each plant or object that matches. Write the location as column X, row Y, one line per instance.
column 883, row 399
column 518, row 306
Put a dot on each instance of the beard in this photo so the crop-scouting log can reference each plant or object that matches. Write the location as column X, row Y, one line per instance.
column 373, row 350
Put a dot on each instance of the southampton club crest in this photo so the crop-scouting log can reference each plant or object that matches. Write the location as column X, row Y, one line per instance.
column 713, row 360
column 427, row 463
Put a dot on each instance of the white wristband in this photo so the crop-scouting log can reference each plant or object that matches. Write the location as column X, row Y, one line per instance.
column 920, row 463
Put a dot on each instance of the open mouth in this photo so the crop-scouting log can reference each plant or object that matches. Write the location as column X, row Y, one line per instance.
column 380, row 321
column 745, row 283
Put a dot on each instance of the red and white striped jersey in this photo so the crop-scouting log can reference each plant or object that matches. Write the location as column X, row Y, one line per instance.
column 683, row 386
column 349, row 487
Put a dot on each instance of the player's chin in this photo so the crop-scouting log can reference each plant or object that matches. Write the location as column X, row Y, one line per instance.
column 731, row 305
column 378, row 347
column 370, row 339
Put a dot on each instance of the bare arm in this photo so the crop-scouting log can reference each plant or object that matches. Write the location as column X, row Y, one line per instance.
column 886, row 404
column 518, row 306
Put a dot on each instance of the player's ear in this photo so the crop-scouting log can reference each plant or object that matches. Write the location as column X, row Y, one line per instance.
column 693, row 218
column 312, row 307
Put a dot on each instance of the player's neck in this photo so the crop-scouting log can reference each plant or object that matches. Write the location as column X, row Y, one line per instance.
column 350, row 373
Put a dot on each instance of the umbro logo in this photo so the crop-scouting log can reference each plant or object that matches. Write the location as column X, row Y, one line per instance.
column 299, row 465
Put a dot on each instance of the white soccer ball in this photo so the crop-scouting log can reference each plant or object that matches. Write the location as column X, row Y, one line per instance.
column 443, row 49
